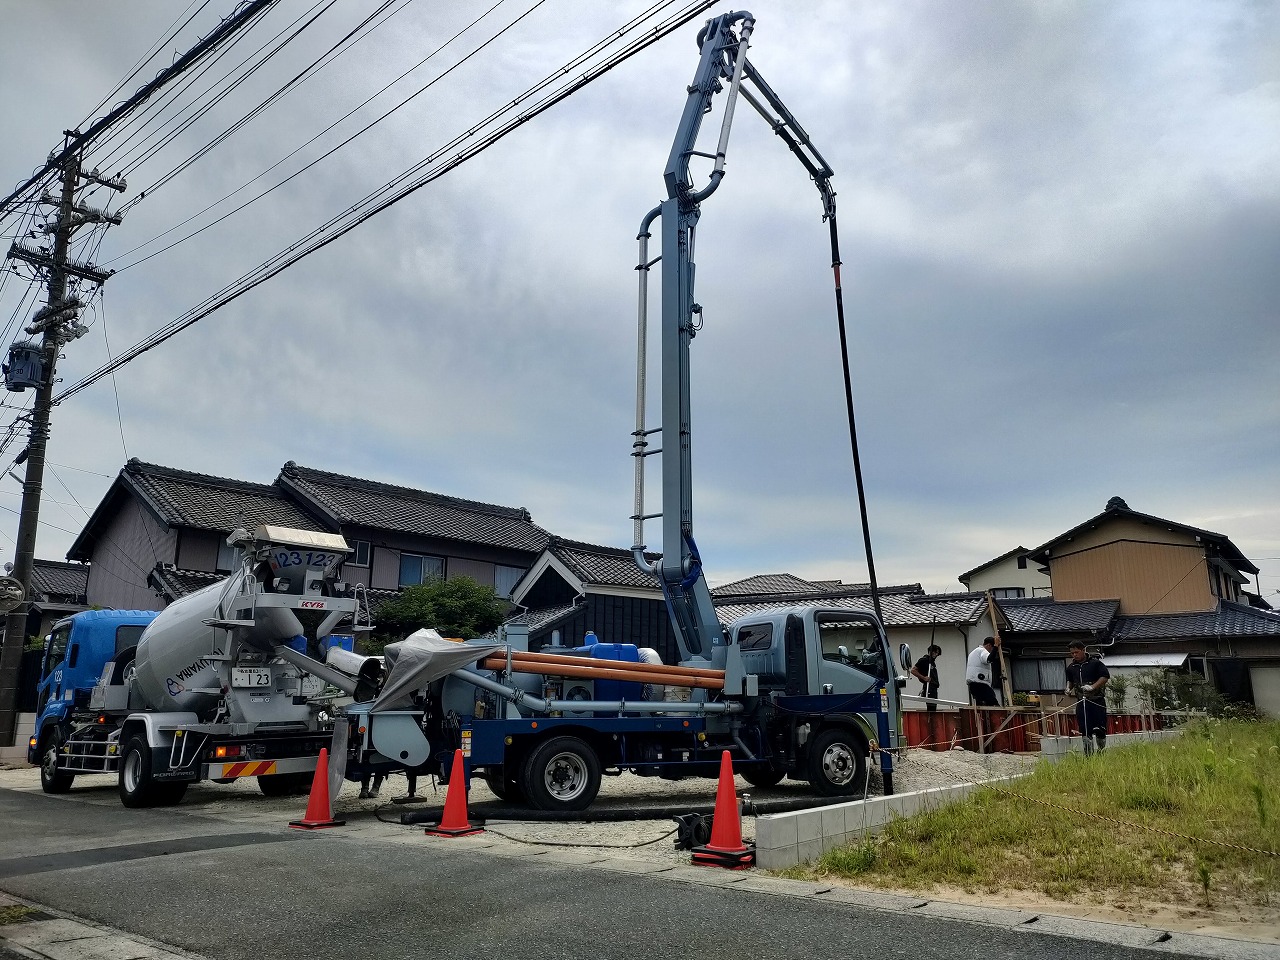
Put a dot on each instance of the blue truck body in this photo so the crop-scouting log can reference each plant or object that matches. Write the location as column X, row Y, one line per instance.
column 75, row 652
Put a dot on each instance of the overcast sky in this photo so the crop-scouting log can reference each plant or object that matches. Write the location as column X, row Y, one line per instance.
column 1060, row 227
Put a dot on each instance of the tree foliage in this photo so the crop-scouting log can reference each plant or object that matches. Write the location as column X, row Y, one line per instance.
column 459, row 607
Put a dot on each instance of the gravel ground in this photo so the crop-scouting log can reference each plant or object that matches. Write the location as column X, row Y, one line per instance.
column 642, row 839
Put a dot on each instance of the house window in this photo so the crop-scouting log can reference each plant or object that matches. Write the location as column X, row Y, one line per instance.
column 1040, row 676
column 1008, row 593
column 416, row 569
column 228, row 557
column 504, row 580
column 359, row 556
column 1022, row 562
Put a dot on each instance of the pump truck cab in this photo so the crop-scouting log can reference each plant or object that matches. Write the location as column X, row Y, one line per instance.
column 230, row 681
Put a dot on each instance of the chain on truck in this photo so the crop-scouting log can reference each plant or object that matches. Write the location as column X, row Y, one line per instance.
column 239, row 680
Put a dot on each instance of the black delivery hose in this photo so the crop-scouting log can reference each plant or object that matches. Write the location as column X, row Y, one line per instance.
column 485, row 812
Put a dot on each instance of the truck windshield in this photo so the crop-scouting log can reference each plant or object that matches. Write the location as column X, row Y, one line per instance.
column 855, row 643
column 57, row 649
column 127, row 636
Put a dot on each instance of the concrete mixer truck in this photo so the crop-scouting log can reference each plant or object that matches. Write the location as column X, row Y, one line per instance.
column 235, row 680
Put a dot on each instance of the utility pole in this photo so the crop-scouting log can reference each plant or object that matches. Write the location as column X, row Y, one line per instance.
column 57, row 323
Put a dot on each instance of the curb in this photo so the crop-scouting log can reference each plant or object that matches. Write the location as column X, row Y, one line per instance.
column 55, row 935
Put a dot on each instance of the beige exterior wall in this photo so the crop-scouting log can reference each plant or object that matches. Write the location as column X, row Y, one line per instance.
column 132, row 542
column 1008, row 574
column 1144, row 577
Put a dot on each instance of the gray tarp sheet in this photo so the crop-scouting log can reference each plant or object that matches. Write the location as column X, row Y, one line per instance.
column 415, row 661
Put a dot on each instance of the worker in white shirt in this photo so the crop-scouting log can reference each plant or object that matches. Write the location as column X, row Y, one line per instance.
column 979, row 672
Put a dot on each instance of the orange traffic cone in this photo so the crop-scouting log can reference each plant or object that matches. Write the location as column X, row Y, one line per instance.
column 726, row 848
column 454, row 822
column 319, row 809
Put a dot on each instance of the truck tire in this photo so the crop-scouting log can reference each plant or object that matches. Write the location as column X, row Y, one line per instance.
column 502, row 786
column 137, row 789
column 53, row 780
column 837, row 763
column 285, row 784
column 762, row 776
column 562, row 773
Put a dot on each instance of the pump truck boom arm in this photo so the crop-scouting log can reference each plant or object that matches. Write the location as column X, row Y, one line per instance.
column 723, row 42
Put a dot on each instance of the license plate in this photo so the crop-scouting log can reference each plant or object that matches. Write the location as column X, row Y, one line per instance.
column 252, row 677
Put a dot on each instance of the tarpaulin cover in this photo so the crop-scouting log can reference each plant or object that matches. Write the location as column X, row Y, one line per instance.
column 415, row 661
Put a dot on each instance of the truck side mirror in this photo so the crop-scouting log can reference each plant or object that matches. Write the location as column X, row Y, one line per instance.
column 904, row 655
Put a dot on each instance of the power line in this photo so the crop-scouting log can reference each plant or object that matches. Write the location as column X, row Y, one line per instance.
column 403, row 186
column 289, row 155
column 332, row 150
column 77, row 141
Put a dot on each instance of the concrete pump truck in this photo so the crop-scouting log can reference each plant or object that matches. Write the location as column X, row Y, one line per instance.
column 809, row 692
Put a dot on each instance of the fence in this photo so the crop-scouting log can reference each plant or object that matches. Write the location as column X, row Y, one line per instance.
column 1007, row 729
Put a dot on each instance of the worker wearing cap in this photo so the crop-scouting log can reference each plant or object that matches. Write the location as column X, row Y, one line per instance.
column 1087, row 679
column 978, row 673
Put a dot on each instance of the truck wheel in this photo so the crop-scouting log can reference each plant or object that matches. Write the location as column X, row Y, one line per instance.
column 503, row 787
column 52, row 780
column 561, row 774
column 837, row 763
column 137, row 789
column 762, row 776
column 285, row 784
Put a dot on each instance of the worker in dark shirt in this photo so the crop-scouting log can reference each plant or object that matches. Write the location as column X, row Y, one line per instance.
column 1087, row 679
column 926, row 671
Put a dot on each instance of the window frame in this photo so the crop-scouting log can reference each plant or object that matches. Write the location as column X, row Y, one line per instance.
column 407, row 554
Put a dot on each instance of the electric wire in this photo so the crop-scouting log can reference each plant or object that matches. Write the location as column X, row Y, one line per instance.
column 337, row 49
column 348, row 140
column 216, row 92
column 397, row 189
column 291, row 154
column 166, row 37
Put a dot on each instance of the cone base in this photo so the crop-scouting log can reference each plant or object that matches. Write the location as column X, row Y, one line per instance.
column 728, row 859
column 439, row 831
column 315, row 824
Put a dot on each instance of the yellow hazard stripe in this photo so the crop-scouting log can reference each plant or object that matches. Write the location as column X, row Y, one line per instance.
column 252, row 768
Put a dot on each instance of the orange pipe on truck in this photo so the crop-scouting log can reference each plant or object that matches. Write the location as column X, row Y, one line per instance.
column 674, row 671
column 583, row 671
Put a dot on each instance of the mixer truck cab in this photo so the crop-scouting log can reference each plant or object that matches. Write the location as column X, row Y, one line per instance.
column 75, row 652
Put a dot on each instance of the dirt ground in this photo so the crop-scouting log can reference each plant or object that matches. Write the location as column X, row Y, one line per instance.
column 652, row 839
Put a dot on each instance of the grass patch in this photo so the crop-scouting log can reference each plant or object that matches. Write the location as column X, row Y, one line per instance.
column 1218, row 782
column 15, row 914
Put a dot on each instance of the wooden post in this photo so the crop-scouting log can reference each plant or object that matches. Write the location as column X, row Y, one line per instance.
column 1006, row 687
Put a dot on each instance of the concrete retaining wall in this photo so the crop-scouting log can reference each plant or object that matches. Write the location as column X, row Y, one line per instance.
column 785, row 839
column 18, row 752
column 1055, row 748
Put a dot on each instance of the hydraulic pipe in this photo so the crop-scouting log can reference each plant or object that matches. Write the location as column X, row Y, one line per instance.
column 583, row 672
column 518, row 696
column 569, row 660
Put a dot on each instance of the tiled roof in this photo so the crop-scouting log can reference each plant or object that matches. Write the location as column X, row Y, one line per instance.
column 771, row 583
column 542, row 618
column 1118, row 508
column 1046, row 615
column 352, row 500
column 174, row 584
column 1229, row 620
column 599, row 566
column 903, row 605
column 57, row 580
column 186, row 499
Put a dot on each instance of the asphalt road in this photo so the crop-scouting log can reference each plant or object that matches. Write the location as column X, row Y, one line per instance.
column 238, row 891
